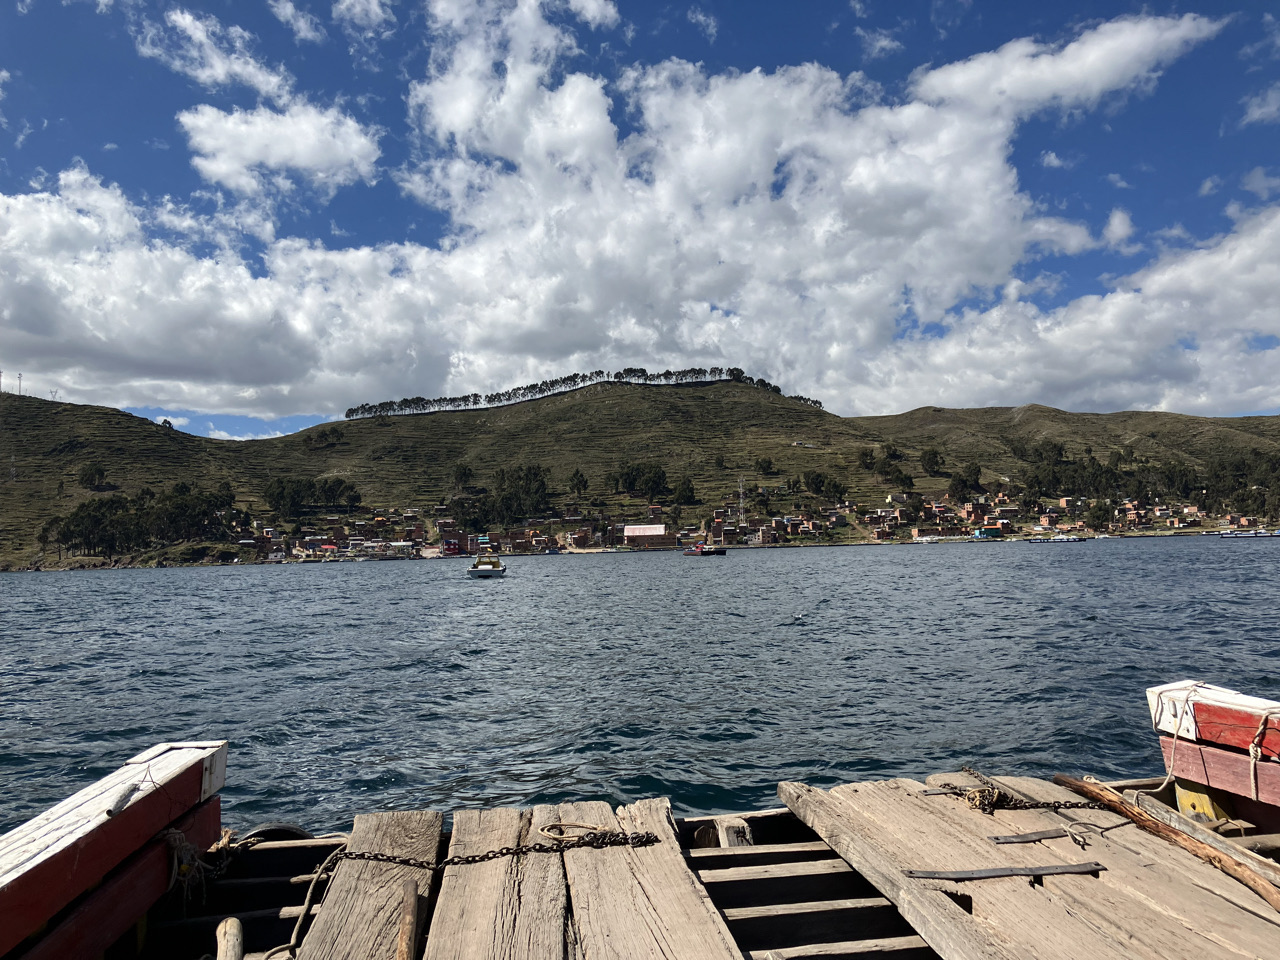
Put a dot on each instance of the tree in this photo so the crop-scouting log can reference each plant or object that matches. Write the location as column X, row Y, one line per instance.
column 719, row 461
column 932, row 461
column 91, row 475
column 462, row 475
column 684, row 492
column 866, row 458
column 764, row 465
column 1099, row 516
column 351, row 497
column 578, row 482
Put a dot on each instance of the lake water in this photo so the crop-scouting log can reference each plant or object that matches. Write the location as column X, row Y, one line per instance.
column 348, row 688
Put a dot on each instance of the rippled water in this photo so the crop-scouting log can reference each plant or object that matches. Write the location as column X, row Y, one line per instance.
column 347, row 688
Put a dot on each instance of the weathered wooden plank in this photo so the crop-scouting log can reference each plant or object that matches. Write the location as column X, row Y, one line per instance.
column 52, row 859
column 778, row 925
column 772, row 871
column 360, row 916
column 107, row 912
column 642, row 902
column 944, row 833
column 230, row 937
column 1170, row 869
column 733, row 832
column 941, row 921
column 1215, row 767
column 718, row 857
column 1165, row 878
column 512, row 907
column 885, row 948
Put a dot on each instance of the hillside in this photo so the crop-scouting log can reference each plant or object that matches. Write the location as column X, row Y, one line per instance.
column 688, row 430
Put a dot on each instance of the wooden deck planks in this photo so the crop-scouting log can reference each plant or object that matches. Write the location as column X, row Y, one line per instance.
column 941, row 833
column 509, row 908
column 943, row 923
column 360, row 916
column 1164, row 878
column 633, row 903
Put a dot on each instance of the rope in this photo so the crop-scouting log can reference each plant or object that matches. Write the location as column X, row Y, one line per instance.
column 295, row 939
column 1255, row 748
column 1177, row 724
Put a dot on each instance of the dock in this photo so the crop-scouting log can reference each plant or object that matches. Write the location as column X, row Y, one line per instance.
column 878, row 870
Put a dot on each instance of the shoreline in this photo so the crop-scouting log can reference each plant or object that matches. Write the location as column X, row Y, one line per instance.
column 93, row 564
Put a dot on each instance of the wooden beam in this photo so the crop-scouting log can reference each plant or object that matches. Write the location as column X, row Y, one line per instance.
column 105, row 914
column 733, row 832
column 1260, row 865
column 716, row 857
column 887, row 948
column 511, row 908
column 941, row 921
column 360, row 916
column 640, row 903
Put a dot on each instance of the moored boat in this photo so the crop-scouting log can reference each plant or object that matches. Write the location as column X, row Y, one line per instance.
column 702, row 550
column 486, row 567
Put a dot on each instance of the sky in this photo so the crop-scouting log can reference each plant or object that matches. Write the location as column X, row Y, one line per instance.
column 248, row 217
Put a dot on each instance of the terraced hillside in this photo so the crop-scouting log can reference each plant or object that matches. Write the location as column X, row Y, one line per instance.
column 713, row 433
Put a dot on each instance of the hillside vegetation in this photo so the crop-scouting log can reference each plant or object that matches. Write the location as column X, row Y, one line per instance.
column 711, row 433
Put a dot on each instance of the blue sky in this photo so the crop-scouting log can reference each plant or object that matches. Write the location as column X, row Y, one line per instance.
column 249, row 217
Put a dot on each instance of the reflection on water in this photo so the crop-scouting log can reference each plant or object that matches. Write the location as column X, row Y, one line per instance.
column 347, row 688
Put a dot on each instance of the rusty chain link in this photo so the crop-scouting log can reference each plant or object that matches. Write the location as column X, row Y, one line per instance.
column 596, row 839
column 989, row 797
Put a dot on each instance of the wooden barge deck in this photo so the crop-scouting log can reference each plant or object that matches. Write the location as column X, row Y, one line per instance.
column 831, row 874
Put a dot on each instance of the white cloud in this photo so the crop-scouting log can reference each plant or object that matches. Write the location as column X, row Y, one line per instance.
column 1052, row 161
column 790, row 222
column 245, row 150
column 859, row 8
column 877, row 43
column 1024, row 77
column 176, row 421
column 704, row 22
column 210, row 54
column 1263, row 107
column 364, row 20
column 305, row 27
column 1209, row 186
column 1118, row 230
column 217, row 434
column 1258, row 183
column 595, row 13
column 4, row 78
column 108, row 147
column 1118, row 182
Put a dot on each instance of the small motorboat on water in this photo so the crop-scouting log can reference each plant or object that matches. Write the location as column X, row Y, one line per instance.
column 702, row 550
column 486, row 567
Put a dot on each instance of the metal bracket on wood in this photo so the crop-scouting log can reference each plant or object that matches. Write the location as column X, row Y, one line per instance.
column 1030, row 837
column 1053, row 869
column 939, row 791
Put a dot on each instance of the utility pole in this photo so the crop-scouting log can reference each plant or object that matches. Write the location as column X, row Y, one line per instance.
column 19, row 384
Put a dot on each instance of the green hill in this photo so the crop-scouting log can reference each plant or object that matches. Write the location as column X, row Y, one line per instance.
column 713, row 433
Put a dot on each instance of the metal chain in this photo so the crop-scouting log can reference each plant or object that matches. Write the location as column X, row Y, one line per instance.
column 989, row 797
column 596, row 839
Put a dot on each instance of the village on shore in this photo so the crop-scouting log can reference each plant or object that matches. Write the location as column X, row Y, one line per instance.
column 410, row 533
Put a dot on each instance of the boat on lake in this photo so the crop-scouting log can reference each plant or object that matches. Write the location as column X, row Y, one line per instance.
column 487, row 566
column 960, row 866
column 702, row 550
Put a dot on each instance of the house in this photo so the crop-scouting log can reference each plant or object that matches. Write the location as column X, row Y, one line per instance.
column 648, row 536
column 880, row 533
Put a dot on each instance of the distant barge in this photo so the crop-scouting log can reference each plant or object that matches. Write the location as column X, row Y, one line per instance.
column 959, row 867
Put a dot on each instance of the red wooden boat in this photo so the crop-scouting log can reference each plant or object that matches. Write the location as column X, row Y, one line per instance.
column 79, row 876
column 1225, row 741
